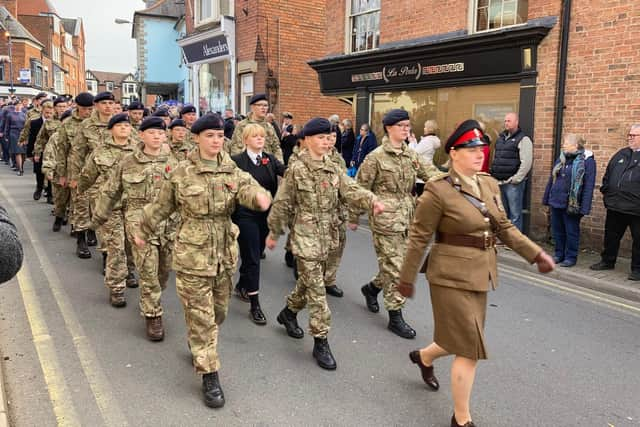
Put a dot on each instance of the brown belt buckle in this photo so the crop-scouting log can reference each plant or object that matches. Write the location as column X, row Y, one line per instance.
column 487, row 241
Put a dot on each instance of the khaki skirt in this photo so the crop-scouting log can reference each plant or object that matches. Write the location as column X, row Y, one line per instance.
column 458, row 317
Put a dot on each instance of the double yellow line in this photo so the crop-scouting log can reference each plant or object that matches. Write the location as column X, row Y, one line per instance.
column 62, row 402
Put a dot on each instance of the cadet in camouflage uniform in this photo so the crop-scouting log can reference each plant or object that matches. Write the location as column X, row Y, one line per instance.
column 204, row 190
column 32, row 114
column 259, row 110
column 99, row 165
column 180, row 147
column 135, row 182
column 311, row 192
column 66, row 134
column 390, row 171
column 136, row 114
column 189, row 115
column 91, row 134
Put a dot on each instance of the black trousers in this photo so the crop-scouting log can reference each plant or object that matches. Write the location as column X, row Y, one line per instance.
column 253, row 232
column 614, row 228
column 37, row 170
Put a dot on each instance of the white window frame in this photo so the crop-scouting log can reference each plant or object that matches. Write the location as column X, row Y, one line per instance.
column 474, row 16
column 107, row 84
column 57, row 54
column 245, row 91
column 92, row 86
column 68, row 41
column 216, row 11
column 129, row 89
column 349, row 27
column 58, row 81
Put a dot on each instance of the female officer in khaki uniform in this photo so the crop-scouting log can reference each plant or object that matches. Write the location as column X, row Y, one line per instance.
column 463, row 209
column 205, row 190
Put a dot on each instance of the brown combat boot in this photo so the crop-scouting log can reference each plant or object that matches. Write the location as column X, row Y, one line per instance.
column 155, row 330
column 117, row 299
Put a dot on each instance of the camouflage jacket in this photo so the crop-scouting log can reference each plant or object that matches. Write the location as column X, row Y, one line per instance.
column 311, row 193
column 271, row 143
column 134, row 183
column 391, row 174
column 180, row 150
column 205, row 197
column 91, row 133
column 49, row 127
column 66, row 134
column 49, row 157
column 31, row 115
column 101, row 162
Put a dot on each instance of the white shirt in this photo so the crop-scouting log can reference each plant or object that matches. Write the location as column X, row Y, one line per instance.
column 254, row 155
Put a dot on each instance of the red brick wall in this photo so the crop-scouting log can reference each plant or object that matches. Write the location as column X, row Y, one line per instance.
column 11, row 6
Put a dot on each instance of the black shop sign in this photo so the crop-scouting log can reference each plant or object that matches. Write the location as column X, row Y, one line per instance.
column 210, row 48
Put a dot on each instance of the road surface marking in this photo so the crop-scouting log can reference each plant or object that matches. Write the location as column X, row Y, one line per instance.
column 98, row 382
column 58, row 391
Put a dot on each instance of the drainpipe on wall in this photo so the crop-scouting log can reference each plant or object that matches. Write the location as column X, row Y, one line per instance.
column 562, row 79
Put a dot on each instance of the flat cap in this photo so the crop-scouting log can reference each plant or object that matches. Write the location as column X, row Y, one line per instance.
column 316, row 126
column 152, row 122
column 84, row 99
column 467, row 134
column 135, row 105
column 258, row 97
column 394, row 116
column 117, row 118
column 104, row 96
column 161, row 112
column 177, row 122
column 187, row 109
column 206, row 122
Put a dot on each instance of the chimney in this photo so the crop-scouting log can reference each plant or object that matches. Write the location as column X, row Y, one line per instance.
column 11, row 6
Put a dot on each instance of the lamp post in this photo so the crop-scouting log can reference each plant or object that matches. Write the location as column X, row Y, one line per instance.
column 7, row 34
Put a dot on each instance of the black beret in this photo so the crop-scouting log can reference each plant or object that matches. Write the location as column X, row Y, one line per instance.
column 187, row 109
column 161, row 112
column 394, row 116
column 103, row 96
column 59, row 100
column 125, row 108
column 118, row 118
column 467, row 134
column 208, row 121
column 84, row 99
column 135, row 105
column 152, row 122
column 40, row 95
column 66, row 114
column 146, row 112
column 316, row 126
column 177, row 122
column 258, row 97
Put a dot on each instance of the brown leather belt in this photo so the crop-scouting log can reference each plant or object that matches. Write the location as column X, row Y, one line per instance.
column 487, row 241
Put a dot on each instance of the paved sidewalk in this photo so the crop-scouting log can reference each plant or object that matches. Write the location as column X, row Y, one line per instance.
column 612, row 282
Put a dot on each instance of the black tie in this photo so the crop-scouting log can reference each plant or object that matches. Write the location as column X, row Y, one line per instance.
column 258, row 158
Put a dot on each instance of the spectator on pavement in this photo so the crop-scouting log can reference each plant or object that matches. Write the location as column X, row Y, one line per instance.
column 289, row 142
column 621, row 192
column 569, row 194
column 10, row 248
column 513, row 157
column 348, row 139
column 229, row 125
column 287, row 124
column 334, row 119
column 365, row 143
column 426, row 148
column 271, row 118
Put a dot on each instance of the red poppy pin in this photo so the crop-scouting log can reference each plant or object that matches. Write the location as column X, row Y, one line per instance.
column 167, row 169
column 324, row 184
column 231, row 186
column 265, row 161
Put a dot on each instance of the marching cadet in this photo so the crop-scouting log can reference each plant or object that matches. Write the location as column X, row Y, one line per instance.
column 463, row 209
column 180, row 146
column 61, row 193
column 91, row 133
column 46, row 120
column 163, row 113
column 135, row 111
column 188, row 114
column 310, row 193
column 66, row 134
column 204, row 190
column 390, row 171
column 259, row 109
column 95, row 173
column 135, row 182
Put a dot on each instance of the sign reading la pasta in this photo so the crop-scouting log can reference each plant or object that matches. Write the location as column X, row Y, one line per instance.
column 203, row 50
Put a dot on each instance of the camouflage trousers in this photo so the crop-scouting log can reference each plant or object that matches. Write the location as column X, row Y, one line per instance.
column 61, row 196
column 81, row 210
column 113, row 234
column 154, row 264
column 390, row 250
column 335, row 256
column 310, row 291
column 205, row 301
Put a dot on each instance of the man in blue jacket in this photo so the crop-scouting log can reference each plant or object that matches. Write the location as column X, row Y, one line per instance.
column 621, row 192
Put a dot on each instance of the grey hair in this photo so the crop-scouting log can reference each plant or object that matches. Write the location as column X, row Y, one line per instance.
column 347, row 123
column 635, row 126
column 575, row 139
column 334, row 118
column 431, row 126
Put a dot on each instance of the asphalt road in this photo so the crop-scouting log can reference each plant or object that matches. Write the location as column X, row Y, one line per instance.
column 559, row 356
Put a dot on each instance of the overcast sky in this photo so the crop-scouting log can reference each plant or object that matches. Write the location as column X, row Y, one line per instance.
column 109, row 46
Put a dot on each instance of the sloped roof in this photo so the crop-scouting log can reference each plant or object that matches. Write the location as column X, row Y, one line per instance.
column 15, row 28
column 106, row 76
column 72, row 25
column 164, row 8
column 35, row 7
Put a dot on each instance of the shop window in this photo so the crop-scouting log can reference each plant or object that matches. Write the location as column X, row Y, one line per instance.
column 449, row 107
column 364, row 22
column 212, row 10
column 246, row 83
column 493, row 14
column 215, row 86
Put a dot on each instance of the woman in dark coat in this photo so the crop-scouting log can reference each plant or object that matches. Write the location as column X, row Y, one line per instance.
column 569, row 194
column 348, row 140
column 13, row 124
column 365, row 143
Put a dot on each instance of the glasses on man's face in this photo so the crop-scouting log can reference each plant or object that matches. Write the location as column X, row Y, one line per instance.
column 633, row 135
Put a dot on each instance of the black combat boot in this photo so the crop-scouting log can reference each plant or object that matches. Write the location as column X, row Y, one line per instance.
column 49, row 199
column 334, row 291
column 82, row 249
column 37, row 194
column 104, row 263
column 370, row 293
column 57, row 224
column 322, row 354
column 92, row 240
column 288, row 319
column 289, row 259
column 132, row 281
column 398, row 326
column 211, row 390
